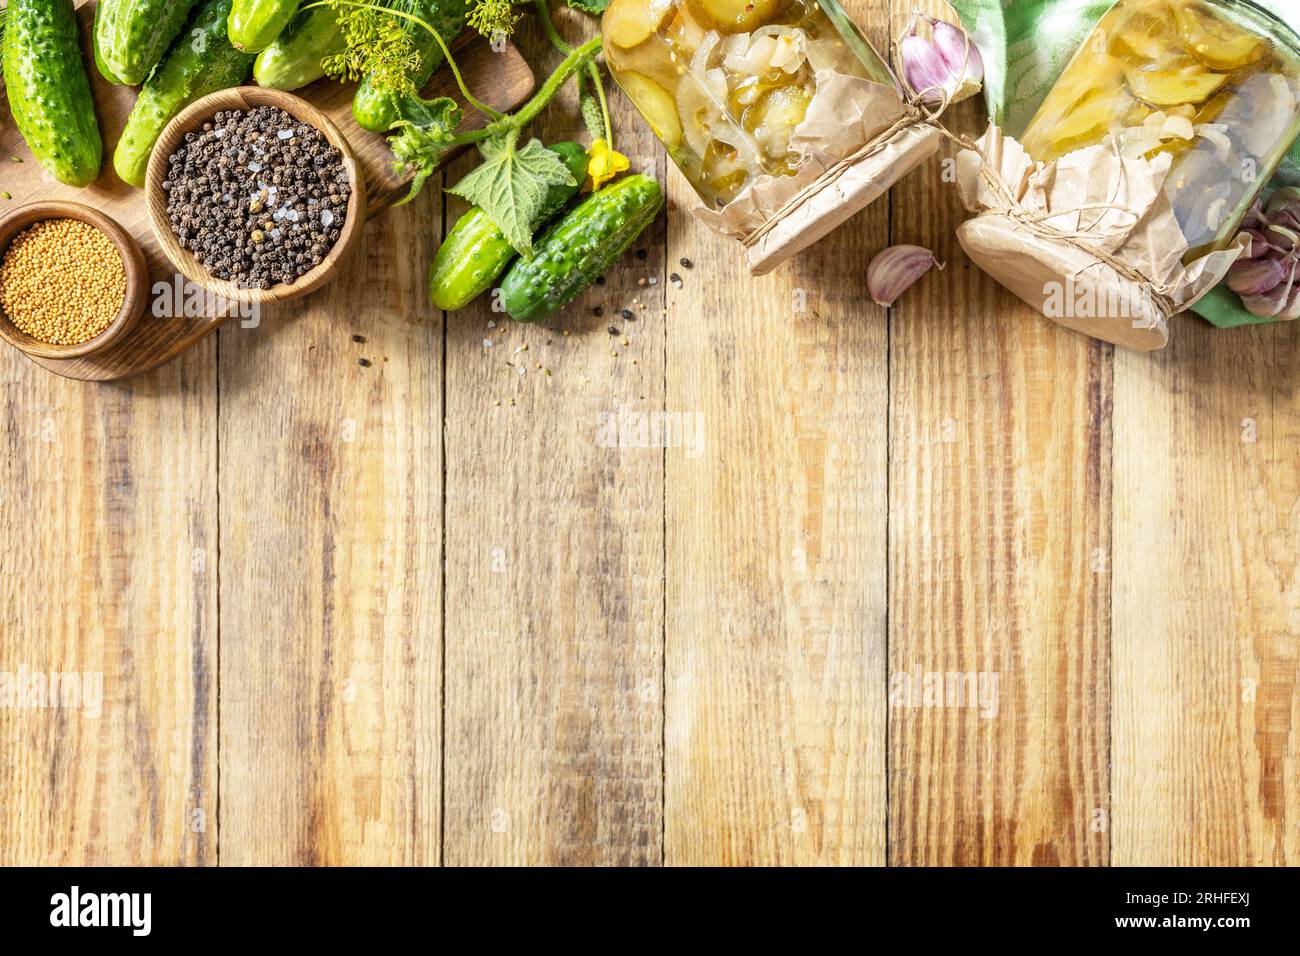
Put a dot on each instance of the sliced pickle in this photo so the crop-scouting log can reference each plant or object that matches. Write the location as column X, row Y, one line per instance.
column 723, row 172
column 775, row 117
column 1174, row 88
column 1092, row 119
column 1217, row 43
column 652, row 59
column 735, row 16
column 654, row 103
column 684, row 35
column 629, row 22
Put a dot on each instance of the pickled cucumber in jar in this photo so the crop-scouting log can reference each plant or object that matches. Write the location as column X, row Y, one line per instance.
column 1214, row 84
column 725, row 83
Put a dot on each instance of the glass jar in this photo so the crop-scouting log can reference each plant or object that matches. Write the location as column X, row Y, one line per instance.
column 727, row 85
column 1215, row 84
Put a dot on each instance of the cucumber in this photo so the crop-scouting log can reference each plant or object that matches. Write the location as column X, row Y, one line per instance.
column 255, row 23
column 131, row 36
column 100, row 65
column 293, row 59
column 200, row 61
column 377, row 110
column 578, row 248
column 475, row 252
column 49, row 91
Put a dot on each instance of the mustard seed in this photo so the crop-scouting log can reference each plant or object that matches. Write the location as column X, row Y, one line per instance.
column 62, row 281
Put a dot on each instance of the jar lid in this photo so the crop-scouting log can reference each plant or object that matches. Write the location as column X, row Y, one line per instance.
column 853, row 188
column 1066, row 283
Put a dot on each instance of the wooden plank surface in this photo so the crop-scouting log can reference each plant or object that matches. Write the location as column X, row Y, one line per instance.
column 108, row 571
column 502, row 79
column 555, row 562
column 331, row 586
column 1206, row 721
column 999, row 521
column 775, row 621
column 443, row 629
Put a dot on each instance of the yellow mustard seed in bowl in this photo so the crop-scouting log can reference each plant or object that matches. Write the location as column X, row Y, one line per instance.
column 62, row 281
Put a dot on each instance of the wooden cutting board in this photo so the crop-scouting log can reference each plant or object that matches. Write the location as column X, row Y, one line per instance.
column 501, row 79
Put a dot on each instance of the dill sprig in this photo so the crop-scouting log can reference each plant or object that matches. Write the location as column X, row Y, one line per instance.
column 494, row 19
column 376, row 44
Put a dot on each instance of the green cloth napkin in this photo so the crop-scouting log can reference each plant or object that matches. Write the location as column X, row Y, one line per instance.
column 1026, row 45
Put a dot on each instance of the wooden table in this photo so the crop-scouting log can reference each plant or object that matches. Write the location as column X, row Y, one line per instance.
column 427, row 611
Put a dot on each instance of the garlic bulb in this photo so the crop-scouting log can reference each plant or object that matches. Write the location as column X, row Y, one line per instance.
column 1266, row 274
column 949, row 63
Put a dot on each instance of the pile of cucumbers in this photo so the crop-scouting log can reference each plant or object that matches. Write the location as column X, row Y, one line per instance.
column 567, row 257
column 176, row 51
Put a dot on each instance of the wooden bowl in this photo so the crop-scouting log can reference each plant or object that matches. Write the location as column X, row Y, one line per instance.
column 190, row 120
column 137, row 278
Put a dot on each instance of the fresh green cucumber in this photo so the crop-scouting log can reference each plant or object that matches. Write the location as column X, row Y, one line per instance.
column 254, row 24
column 578, row 248
column 200, row 61
column 49, row 91
column 475, row 252
column 100, row 65
column 131, row 36
column 294, row 59
column 377, row 110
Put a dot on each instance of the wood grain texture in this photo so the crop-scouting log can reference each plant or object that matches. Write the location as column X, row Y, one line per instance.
column 555, row 562
column 999, row 522
column 1207, row 599
column 109, row 567
column 775, row 724
column 502, row 80
column 330, row 580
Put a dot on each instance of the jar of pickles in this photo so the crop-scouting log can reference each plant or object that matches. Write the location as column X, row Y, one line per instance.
column 762, row 104
column 1197, row 99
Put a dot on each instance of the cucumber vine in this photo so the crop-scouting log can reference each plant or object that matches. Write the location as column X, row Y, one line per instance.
column 511, row 184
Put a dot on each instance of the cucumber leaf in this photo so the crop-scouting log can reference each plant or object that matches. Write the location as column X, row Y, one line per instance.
column 594, row 7
column 425, row 132
column 511, row 185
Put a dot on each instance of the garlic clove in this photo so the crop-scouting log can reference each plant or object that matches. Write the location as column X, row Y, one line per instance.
column 1259, row 244
column 895, row 270
column 924, row 69
column 961, row 56
column 947, row 65
column 1254, row 277
column 1271, row 304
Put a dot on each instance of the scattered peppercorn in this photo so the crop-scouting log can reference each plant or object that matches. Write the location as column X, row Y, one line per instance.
column 676, row 280
column 612, row 331
column 684, row 262
column 626, row 313
column 598, row 312
column 259, row 197
column 641, row 253
column 62, row 281
column 358, row 338
column 364, row 363
column 600, row 280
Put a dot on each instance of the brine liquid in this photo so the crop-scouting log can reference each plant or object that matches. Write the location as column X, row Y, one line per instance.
column 1202, row 80
column 724, row 83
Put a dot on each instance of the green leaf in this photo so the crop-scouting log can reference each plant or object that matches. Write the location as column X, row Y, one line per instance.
column 511, row 184
column 425, row 132
column 594, row 7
